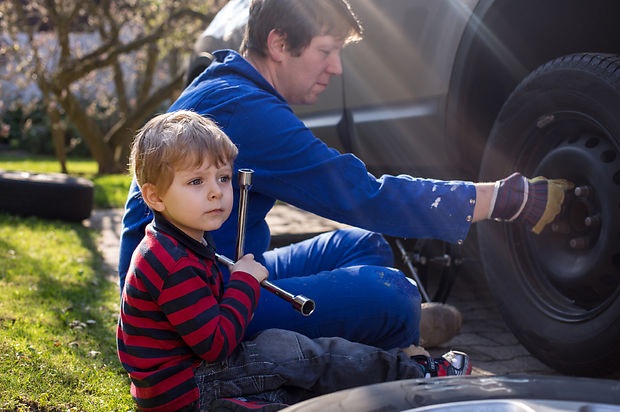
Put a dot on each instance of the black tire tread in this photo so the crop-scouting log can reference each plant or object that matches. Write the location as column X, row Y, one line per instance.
column 499, row 259
column 51, row 196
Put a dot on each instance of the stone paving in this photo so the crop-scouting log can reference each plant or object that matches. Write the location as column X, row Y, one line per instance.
column 484, row 335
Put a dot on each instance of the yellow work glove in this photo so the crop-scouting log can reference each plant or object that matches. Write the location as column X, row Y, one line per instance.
column 532, row 202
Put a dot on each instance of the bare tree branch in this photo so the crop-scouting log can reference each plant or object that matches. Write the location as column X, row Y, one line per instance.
column 117, row 137
column 78, row 68
column 156, row 45
column 144, row 86
column 61, row 24
column 119, row 86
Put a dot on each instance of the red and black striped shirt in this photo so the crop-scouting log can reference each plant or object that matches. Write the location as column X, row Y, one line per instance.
column 175, row 313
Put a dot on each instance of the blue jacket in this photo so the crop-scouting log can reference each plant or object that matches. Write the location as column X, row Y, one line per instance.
column 292, row 165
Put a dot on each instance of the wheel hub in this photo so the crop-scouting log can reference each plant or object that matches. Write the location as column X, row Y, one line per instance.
column 578, row 252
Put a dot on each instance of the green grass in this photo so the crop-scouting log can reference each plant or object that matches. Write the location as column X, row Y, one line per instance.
column 46, row 164
column 58, row 317
column 110, row 190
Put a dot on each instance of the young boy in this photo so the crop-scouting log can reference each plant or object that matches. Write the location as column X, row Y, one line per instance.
column 180, row 328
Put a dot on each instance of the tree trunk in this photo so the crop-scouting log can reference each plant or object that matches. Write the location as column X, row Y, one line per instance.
column 90, row 132
column 58, row 134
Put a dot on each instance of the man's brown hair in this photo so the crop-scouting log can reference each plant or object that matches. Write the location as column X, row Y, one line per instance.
column 299, row 21
column 177, row 140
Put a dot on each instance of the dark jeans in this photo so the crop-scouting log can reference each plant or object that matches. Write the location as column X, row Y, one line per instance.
column 286, row 367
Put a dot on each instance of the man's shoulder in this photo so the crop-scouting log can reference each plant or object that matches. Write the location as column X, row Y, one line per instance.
column 220, row 95
column 231, row 87
column 229, row 80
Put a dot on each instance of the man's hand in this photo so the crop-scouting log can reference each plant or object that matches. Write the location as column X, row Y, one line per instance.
column 532, row 202
column 556, row 189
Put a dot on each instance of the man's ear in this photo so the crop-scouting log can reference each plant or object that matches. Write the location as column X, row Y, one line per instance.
column 151, row 197
column 276, row 45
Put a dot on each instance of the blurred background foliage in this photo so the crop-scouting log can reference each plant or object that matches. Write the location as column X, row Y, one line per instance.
column 78, row 78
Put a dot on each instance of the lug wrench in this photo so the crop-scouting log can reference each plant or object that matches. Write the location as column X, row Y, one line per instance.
column 300, row 303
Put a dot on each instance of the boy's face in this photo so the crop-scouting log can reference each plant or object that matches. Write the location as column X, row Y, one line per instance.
column 199, row 199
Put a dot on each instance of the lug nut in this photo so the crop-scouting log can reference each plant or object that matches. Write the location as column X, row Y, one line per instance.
column 593, row 221
column 560, row 227
column 419, row 259
column 583, row 191
column 579, row 243
column 445, row 260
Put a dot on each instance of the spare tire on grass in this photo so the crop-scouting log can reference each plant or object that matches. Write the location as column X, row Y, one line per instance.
column 46, row 195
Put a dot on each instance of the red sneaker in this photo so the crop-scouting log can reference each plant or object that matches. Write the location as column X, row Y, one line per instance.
column 453, row 363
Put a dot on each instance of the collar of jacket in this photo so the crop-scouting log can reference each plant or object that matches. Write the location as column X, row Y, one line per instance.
column 228, row 62
column 205, row 251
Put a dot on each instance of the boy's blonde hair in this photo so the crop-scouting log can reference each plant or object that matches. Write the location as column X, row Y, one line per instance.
column 177, row 140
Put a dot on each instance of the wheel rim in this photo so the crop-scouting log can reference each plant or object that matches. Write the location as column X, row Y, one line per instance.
column 572, row 269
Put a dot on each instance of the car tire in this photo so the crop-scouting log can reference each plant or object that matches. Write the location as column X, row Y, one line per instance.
column 51, row 196
column 407, row 394
column 559, row 292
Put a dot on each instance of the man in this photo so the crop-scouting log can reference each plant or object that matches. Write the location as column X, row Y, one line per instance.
column 289, row 54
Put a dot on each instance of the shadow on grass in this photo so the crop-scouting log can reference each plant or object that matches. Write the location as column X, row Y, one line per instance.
column 58, row 316
column 80, row 305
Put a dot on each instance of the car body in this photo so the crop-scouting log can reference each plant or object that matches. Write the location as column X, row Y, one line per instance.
column 474, row 90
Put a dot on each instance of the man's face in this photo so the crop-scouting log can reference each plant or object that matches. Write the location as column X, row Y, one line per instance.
column 302, row 78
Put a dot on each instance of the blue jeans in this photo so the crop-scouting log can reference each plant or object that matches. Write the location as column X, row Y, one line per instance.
column 287, row 367
column 358, row 295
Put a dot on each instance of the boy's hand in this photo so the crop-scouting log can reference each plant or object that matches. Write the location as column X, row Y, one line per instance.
column 247, row 264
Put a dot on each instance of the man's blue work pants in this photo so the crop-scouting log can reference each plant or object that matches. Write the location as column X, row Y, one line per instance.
column 358, row 295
